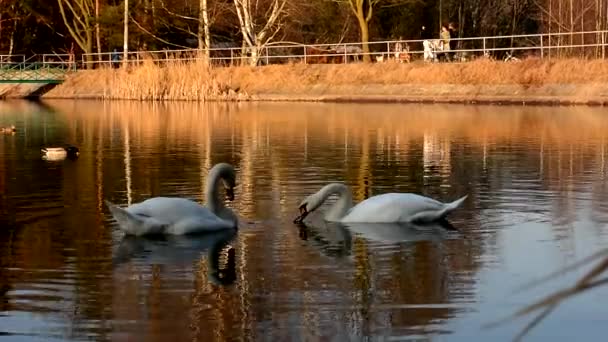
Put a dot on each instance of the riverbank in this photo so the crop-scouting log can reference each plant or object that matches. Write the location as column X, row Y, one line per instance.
column 529, row 81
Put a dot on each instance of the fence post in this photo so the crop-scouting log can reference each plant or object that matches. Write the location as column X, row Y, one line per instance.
column 305, row 54
column 345, row 55
column 484, row 46
column 542, row 54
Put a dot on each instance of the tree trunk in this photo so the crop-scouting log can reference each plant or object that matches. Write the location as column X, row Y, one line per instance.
column 255, row 55
column 363, row 26
column 204, row 40
column 89, row 48
column 11, row 44
column 571, row 27
column 97, row 33
column 243, row 53
column 254, row 37
column 207, row 30
column 125, row 46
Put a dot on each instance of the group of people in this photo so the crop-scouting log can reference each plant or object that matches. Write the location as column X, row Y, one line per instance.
column 445, row 43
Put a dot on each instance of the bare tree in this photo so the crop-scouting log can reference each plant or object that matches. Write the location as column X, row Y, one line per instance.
column 9, row 19
column 255, row 39
column 80, row 22
column 97, row 33
column 564, row 16
column 208, row 13
column 364, row 12
column 203, row 35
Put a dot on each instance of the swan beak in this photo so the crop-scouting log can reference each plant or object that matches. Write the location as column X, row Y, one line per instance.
column 230, row 194
column 303, row 214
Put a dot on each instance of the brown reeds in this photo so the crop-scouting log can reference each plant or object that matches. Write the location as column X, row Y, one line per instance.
column 198, row 81
column 148, row 80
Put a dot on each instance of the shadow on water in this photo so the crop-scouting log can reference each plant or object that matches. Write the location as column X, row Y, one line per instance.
column 183, row 250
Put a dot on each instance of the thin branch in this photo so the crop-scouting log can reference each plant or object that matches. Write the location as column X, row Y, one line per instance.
column 155, row 36
column 556, row 298
column 562, row 271
column 536, row 321
column 164, row 7
column 76, row 35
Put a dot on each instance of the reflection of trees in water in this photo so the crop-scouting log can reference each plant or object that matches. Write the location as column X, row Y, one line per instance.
column 546, row 160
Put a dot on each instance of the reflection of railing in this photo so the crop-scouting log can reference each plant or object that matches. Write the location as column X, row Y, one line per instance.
column 575, row 44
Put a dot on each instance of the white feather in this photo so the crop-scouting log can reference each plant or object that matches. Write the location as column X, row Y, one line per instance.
column 178, row 216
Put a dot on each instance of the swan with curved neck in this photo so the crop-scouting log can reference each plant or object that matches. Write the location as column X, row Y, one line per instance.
column 385, row 208
column 180, row 216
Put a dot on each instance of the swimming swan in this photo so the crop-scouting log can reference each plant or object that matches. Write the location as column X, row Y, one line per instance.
column 385, row 208
column 179, row 216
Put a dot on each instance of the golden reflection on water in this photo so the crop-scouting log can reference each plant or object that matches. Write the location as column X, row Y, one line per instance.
column 502, row 156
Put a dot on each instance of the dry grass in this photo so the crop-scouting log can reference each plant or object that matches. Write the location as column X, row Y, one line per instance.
column 148, row 81
column 197, row 81
column 526, row 72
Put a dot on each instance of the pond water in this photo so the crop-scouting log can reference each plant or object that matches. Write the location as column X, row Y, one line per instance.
column 536, row 179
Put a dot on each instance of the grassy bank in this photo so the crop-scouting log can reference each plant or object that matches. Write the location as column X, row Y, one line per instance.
column 580, row 81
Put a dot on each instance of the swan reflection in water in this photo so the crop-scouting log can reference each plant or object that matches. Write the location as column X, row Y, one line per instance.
column 335, row 238
column 179, row 250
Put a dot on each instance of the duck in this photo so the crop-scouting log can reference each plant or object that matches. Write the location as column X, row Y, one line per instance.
column 60, row 153
column 384, row 208
column 9, row 130
column 182, row 216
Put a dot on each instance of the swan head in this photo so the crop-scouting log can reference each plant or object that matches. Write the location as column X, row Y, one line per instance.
column 229, row 181
column 229, row 185
column 72, row 151
column 226, row 174
column 308, row 205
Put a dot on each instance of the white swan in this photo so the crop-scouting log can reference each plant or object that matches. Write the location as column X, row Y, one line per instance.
column 385, row 208
column 179, row 216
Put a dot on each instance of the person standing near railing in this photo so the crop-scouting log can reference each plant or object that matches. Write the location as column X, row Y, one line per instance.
column 115, row 58
column 398, row 48
column 445, row 40
column 453, row 42
column 426, row 43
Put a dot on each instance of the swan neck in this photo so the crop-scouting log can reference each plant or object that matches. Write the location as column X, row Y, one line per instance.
column 212, row 188
column 342, row 205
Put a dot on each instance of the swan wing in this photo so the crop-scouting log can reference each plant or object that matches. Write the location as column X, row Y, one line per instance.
column 427, row 216
column 199, row 224
column 169, row 209
column 183, row 216
column 392, row 207
column 135, row 224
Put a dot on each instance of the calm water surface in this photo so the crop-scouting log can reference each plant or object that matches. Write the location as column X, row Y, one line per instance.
column 536, row 179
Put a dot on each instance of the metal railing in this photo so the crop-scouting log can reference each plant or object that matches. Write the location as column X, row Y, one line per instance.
column 587, row 44
column 36, row 68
